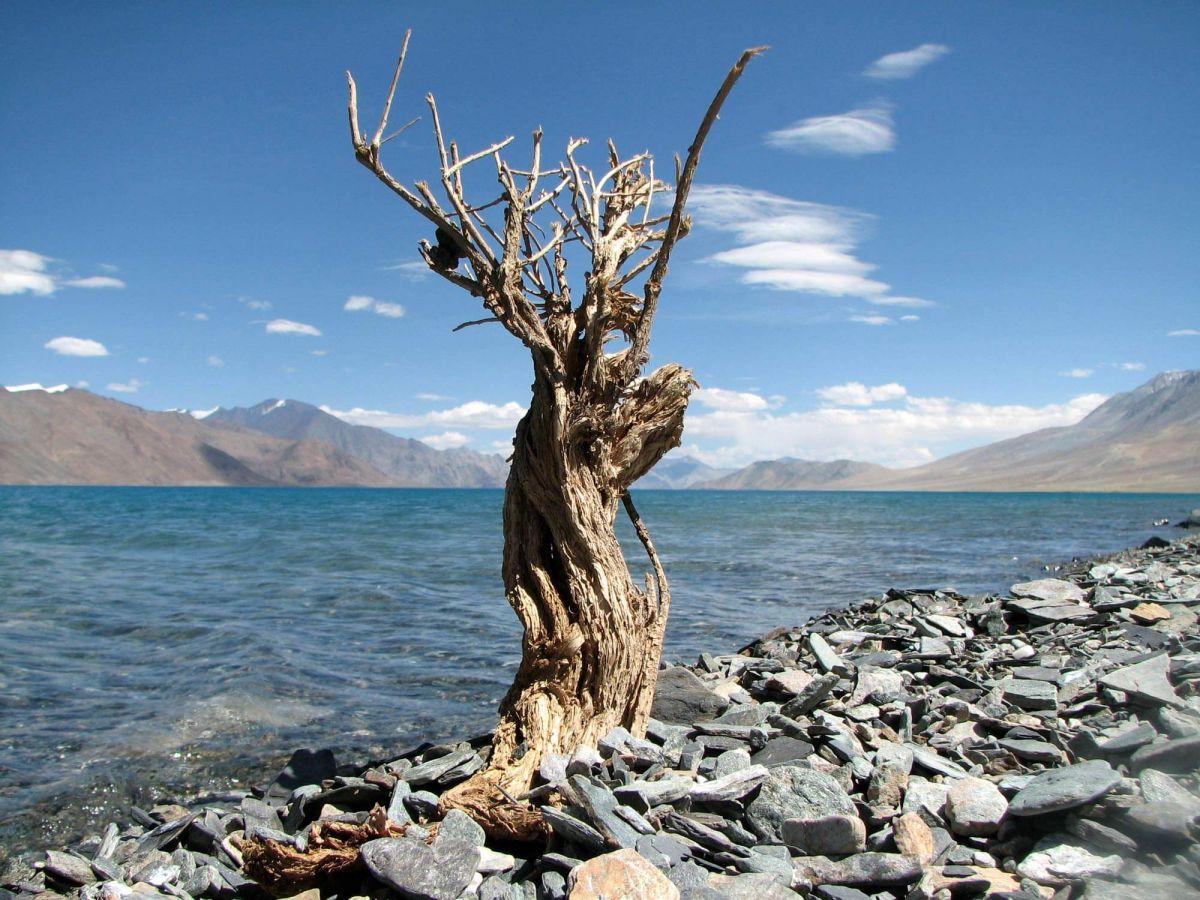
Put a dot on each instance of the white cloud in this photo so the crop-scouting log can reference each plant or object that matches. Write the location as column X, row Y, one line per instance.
column 203, row 413
column 1078, row 373
column 906, row 63
column 1184, row 332
column 129, row 387
column 737, row 401
column 910, row 318
column 912, row 431
column 358, row 302
column 319, row 352
column 854, row 133
column 73, row 346
column 1131, row 366
column 216, row 362
column 855, row 393
column 417, row 270
column 794, row 245
column 287, row 326
column 27, row 272
column 255, row 304
column 472, row 414
column 447, row 440
column 436, row 397
column 24, row 272
column 195, row 316
column 95, row 281
column 873, row 320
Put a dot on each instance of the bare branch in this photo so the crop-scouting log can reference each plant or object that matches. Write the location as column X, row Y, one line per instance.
column 387, row 106
column 474, row 156
column 463, row 325
column 683, row 186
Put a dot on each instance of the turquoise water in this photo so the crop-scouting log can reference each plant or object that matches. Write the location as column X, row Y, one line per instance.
column 185, row 636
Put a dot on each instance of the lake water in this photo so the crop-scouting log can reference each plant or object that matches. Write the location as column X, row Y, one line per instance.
column 187, row 637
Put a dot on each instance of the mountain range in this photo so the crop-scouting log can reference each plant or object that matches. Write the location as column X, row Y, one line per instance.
column 1147, row 439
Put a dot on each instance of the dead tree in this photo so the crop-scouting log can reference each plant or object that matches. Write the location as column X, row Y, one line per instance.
column 595, row 424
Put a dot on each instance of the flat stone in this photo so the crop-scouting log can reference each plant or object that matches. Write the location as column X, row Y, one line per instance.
column 825, row 835
column 789, row 681
column 877, row 685
column 913, row 837
column 751, row 886
column 730, row 787
column 932, row 761
column 975, row 807
column 927, row 799
column 862, row 869
column 1055, row 862
column 621, row 875
column 681, row 697
column 644, row 795
column 782, row 750
column 304, row 767
column 1158, row 822
column 1050, row 589
column 1052, row 610
column 1130, row 740
column 420, row 872
column 69, row 868
column 1031, row 750
column 1147, row 681
column 1065, row 788
column 458, row 826
column 1030, row 695
column 893, row 765
column 1149, row 613
column 428, row 772
column 662, row 850
column 790, row 792
column 810, row 698
column 601, row 807
column 1179, row 755
column 572, row 829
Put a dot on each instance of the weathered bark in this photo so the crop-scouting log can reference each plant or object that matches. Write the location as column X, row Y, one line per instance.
column 592, row 639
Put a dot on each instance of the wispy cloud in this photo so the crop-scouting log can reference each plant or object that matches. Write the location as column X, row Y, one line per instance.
column 854, row 133
column 1131, row 366
column 287, row 326
column 73, row 346
column 730, row 401
column 447, row 440
column 132, row 386
column 855, row 393
column 794, row 245
column 910, row 318
column 1078, row 373
column 416, row 270
column 216, row 362
column 472, row 414
column 319, row 352
column 255, row 304
column 874, row 320
column 95, row 281
column 195, row 316
column 1184, row 332
column 883, row 424
column 28, row 272
column 433, row 397
column 905, row 63
column 360, row 303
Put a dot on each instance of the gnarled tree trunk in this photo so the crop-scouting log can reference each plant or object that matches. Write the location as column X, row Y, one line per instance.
column 595, row 425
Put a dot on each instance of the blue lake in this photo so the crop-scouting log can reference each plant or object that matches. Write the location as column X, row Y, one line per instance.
column 189, row 636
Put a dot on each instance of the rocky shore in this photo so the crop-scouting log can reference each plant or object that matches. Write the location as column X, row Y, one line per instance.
column 919, row 745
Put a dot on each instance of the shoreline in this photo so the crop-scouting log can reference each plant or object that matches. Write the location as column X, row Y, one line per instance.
column 889, row 746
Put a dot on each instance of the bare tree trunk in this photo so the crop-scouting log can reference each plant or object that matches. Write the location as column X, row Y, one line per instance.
column 594, row 426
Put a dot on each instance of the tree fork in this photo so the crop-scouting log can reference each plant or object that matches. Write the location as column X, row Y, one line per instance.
column 592, row 639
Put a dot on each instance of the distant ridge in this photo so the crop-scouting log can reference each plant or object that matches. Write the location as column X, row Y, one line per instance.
column 1147, row 439
column 77, row 437
column 789, row 474
column 406, row 462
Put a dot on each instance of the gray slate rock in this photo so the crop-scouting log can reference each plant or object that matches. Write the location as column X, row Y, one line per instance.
column 1146, row 681
column 1050, row 589
column 1177, row 756
column 826, row 835
column 1030, row 695
column 680, row 697
column 790, row 792
column 1065, row 788
column 418, row 872
column 862, row 869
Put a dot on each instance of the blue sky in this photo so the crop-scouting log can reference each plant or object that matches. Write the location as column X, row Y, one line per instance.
column 1022, row 179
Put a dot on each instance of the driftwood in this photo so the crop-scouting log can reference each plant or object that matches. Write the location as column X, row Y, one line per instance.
column 595, row 424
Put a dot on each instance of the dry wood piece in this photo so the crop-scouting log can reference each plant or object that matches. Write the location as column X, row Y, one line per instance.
column 595, row 424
